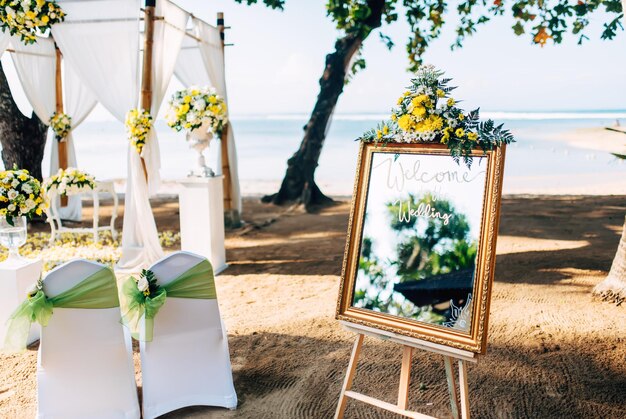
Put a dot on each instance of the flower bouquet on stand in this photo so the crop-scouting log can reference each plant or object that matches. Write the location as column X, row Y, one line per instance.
column 202, row 114
column 21, row 196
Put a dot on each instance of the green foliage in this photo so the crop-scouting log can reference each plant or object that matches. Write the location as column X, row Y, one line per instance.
column 272, row 4
column 153, row 286
column 438, row 247
column 543, row 20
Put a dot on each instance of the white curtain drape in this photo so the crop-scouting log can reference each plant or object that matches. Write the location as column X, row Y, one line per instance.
column 35, row 65
column 202, row 63
column 78, row 101
column 5, row 38
column 100, row 40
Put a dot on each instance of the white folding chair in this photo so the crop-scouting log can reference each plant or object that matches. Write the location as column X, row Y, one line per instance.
column 187, row 363
column 85, row 367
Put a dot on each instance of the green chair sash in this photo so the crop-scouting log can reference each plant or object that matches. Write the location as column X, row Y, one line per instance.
column 196, row 283
column 97, row 291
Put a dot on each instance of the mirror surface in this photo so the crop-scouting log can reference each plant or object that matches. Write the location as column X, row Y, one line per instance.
column 420, row 238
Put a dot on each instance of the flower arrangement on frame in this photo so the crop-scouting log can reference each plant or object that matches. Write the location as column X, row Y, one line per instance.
column 61, row 124
column 427, row 113
column 138, row 125
column 24, row 18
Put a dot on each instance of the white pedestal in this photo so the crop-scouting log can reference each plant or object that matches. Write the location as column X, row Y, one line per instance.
column 202, row 219
column 16, row 279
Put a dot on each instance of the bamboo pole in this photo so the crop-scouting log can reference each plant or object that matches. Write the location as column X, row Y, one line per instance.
column 146, row 75
column 227, row 181
column 59, row 109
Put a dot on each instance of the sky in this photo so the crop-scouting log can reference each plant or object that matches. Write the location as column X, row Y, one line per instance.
column 278, row 57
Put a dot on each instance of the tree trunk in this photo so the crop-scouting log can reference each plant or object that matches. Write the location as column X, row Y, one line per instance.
column 298, row 185
column 613, row 288
column 23, row 139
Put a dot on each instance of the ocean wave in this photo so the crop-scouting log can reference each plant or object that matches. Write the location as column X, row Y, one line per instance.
column 497, row 115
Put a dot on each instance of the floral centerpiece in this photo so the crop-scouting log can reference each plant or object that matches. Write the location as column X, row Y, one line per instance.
column 201, row 112
column 427, row 113
column 61, row 124
column 25, row 17
column 21, row 195
column 69, row 181
column 189, row 109
column 138, row 124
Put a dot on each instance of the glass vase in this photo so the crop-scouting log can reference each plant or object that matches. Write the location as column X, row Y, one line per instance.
column 13, row 236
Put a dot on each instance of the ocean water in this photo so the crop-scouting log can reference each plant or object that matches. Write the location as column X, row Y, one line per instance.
column 537, row 163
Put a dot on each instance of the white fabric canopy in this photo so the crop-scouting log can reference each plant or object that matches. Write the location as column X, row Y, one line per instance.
column 202, row 63
column 5, row 38
column 100, row 40
column 35, row 65
column 79, row 101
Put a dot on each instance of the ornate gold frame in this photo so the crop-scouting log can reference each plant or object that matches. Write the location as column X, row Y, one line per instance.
column 475, row 340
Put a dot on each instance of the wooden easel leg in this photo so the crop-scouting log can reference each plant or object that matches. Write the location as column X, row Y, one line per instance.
column 465, row 410
column 405, row 378
column 347, row 382
column 454, row 397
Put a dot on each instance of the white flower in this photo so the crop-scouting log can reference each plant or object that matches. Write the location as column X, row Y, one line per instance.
column 143, row 284
column 12, row 194
column 199, row 105
column 26, row 188
column 15, row 183
column 30, row 204
column 11, row 207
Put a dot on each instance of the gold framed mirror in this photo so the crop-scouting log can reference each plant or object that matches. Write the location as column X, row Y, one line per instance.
column 420, row 248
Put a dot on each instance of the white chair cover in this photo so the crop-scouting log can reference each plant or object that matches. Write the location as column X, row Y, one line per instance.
column 85, row 367
column 187, row 363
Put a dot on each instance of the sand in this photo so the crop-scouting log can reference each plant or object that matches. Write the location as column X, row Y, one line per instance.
column 553, row 350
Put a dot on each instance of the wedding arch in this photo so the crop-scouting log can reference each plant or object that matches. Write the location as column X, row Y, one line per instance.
column 122, row 56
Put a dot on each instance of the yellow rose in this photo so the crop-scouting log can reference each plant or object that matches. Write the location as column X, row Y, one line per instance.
column 45, row 20
column 187, row 99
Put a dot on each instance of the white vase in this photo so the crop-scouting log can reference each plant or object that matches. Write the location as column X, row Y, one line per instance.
column 199, row 139
column 13, row 236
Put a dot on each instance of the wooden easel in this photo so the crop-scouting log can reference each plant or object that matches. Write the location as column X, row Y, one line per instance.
column 459, row 405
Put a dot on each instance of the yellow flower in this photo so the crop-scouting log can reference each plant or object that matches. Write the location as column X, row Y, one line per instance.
column 419, row 111
column 472, row 136
column 461, row 117
column 394, row 117
column 440, row 93
column 45, row 19
column 187, row 99
column 404, row 122
column 460, row 132
column 385, row 130
column 451, row 102
column 212, row 99
column 446, row 135
column 195, row 92
column 379, row 134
